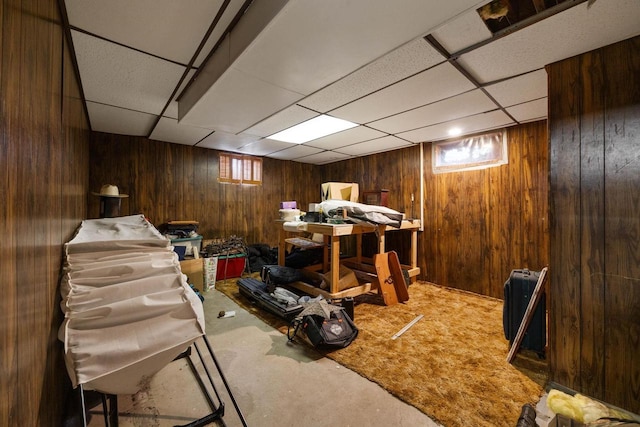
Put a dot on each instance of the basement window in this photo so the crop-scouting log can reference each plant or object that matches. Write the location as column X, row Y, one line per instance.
column 501, row 15
column 239, row 169
column 470, row 153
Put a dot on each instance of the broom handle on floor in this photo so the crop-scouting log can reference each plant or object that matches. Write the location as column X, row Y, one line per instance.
column 410, row 324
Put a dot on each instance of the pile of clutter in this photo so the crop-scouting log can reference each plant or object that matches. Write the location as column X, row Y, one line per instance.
column 261, row 254
column 234, row 245
column 179, row 229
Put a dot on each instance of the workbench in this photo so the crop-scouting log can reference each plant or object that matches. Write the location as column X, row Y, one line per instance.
column 331, row 256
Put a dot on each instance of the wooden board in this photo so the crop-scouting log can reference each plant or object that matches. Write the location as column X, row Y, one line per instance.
column 314, row 291
column 399, row 283
column 385, row 280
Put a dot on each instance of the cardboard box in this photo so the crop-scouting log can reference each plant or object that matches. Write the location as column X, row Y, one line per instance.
column 347, row 278
column 194, row 270
column 340, row 191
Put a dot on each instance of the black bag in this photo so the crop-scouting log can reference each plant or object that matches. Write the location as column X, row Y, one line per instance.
column 256, row 291
column 274, row 275
column 338, row 331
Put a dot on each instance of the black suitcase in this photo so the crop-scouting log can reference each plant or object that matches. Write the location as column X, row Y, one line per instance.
column 257, row 291
column 518, row 290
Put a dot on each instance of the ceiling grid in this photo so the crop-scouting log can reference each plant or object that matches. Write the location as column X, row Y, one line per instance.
column 404, row 74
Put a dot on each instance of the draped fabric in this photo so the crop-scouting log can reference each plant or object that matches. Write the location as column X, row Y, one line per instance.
column 128, row 308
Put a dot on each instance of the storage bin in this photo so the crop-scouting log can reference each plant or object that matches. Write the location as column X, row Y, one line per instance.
column 191, row 246
column 230, row 266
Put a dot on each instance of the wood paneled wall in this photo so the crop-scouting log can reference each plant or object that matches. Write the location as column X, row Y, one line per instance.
column 491, row 221
column 44, row 151
column 172, row 182
column 478, row 225
column 594, row 129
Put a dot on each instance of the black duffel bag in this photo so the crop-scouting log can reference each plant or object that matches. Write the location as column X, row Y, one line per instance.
column 336, row 331
column 273, row 275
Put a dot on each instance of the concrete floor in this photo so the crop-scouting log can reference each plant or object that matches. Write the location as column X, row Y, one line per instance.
column 273, row 382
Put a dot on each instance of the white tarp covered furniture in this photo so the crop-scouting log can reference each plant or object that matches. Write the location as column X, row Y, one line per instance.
column 128, row 310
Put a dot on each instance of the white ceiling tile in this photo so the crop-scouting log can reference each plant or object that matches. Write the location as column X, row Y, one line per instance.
column 407, row 60
column 122, row 77
column 463, row 31
column 343, row 60
column 528, row 111
column 323, row 158
column 346, row 137
column 165, row 28
column 520, row 89
column 226, row 141
column 466, row 104
column 105, row 118
column 309, row 45
column 569, row 33
column 237, row 102
column 169, row 130
column 386, row 143
column 477, row 123
column 439, row 82
column 230, row 13
column 282, row 120
column 263, row 147
column 295, row 152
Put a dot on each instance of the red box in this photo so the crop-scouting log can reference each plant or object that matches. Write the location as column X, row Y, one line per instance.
column 230, row 266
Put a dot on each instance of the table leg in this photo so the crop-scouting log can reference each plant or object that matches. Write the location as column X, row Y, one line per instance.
column 414, row 248
column 325, row 254
column 381, row 231
column 335, row 263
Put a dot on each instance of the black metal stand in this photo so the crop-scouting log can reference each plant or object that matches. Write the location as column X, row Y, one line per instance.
column 110, row 402
column 110, row 207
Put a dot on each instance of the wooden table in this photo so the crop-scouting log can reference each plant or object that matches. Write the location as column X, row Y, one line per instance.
column 331, row 259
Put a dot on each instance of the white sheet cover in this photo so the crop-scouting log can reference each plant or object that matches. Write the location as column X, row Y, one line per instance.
column 128, row 308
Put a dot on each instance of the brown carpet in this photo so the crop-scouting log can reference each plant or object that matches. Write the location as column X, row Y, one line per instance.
column 450, row 364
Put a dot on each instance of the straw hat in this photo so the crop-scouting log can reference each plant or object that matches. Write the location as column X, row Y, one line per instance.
column 109, row 191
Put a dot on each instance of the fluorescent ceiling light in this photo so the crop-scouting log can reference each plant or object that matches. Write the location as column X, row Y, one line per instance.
column 315, row 128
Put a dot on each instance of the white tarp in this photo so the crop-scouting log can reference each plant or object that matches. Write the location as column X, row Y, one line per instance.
column 359, row 211
column 128, row 308
column 116, row 234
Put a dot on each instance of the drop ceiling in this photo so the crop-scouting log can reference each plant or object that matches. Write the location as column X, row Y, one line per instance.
column 226, row 74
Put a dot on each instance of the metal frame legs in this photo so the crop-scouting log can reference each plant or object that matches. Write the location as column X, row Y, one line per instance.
column 110, row 402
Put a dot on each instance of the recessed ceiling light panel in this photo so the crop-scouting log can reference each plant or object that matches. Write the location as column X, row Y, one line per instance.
column 315, row 128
